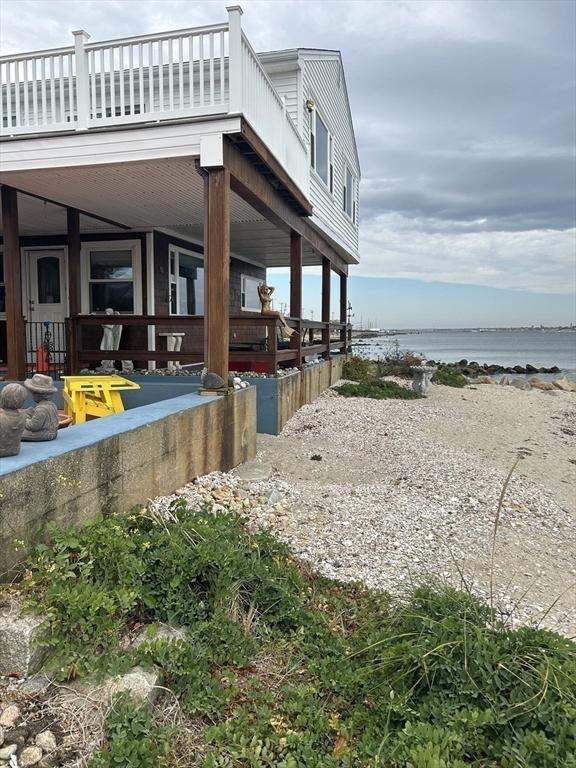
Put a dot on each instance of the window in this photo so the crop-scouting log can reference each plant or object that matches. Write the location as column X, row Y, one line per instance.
column 348, row 202
column 111, row 276
column 250, row 300
column 186, row 283
column 321, row 150
column 48, row 280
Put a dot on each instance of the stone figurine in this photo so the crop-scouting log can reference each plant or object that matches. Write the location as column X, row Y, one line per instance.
column 422, row 381
column 265, row 295
column 42, row 419
column 12, row 422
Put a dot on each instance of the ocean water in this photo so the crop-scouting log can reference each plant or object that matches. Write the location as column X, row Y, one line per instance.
column 540, row 348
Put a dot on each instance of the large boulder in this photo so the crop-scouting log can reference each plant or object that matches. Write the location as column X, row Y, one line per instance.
column 565, row 384
column 537, row 383
column 521, row 384
column 518, row 369
column 531, row 369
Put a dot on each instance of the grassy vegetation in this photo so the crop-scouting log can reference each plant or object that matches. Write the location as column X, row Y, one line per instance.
column 377, row 390
column 358, row 369
column 450, row 377
column 284, row 669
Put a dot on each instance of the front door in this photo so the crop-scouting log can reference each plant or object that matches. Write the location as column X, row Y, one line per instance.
column 45, row 304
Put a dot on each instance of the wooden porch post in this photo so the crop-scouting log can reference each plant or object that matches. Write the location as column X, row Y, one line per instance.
column 343, row 311
column 217, row 270
column 15, row 329
column 326, row 269
column 296, row 291
column 73, row 224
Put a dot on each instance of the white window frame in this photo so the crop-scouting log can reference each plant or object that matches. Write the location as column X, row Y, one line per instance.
column 176, row 251
column 111, row 245
column 329, row 181
column 243, row 279
column 349, row 194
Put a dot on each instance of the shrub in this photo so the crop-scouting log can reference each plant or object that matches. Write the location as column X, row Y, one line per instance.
column 377, row 390
column 357, row 369
column 449, row 377
column 396, row 361
column 133, row 740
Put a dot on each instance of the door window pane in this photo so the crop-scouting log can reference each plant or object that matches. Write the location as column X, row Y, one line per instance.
column 48, row 276
column 111, row 265
column 118, row 295
column 190, row 285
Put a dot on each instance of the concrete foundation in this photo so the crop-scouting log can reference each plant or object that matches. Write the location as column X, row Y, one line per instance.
column 110, row 465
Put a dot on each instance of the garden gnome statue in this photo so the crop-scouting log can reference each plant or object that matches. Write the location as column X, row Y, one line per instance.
column 422, row 381
column 42, row 419
column 12, row 422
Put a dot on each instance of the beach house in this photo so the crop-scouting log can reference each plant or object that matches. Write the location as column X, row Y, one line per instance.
column 160, row 176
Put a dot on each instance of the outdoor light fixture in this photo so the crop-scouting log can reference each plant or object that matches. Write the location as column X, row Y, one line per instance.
column 310, row 104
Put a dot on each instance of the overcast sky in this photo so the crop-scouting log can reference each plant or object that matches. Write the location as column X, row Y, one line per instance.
column 464, row 115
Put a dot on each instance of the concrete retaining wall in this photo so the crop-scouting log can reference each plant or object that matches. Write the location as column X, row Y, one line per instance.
column 110, row 465
column 279, row 399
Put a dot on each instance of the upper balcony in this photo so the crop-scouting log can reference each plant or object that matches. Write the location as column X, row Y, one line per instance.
column 198, row 73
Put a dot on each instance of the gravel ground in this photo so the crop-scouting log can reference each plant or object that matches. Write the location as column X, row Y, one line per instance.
column 408, row 490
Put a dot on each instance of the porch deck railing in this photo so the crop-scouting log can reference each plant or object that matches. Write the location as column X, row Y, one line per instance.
column 46, row 347
column 188, row 73
column 254, row 340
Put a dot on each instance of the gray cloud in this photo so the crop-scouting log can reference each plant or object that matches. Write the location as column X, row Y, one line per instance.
column 464, row 115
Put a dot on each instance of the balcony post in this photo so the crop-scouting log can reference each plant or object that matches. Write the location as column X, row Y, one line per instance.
column 326, row 269
column 296, row 292
column 343, row 311
column 15, row 328
column 82, row 80
column 73, row 232
column 235, row 58
column 217, row 270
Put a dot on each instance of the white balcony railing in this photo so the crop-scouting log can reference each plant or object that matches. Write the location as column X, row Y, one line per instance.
column 189, row 73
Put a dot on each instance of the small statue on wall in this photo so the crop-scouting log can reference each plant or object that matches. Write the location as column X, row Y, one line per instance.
column 265, row 295
column 42, row 419
column 12, row 421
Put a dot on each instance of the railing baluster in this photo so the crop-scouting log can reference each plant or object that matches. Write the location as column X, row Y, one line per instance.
column 71, row 88
column 121, row 80
column 201, row 68
column 43, row 89
column 211, row 68
column 112, row 84
column 151, row 76
column 181, row 73
column 103, row 100
column 222, row 85
column 52, row 91
column 93, row 107
column 141, row 96
column 61, row 89
column 191, row 71
column 34, row 95
column 161, row 75
column 131, row 80
column 1, row 99
column 170, row 75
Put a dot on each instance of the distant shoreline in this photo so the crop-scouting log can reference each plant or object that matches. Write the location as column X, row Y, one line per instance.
column 376, row 333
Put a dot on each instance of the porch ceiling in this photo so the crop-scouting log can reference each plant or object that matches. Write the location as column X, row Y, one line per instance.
column 164, row 194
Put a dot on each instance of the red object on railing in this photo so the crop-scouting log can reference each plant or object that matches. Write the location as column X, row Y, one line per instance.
column 41, row 359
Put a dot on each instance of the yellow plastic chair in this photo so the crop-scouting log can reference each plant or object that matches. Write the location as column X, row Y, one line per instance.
column 96, row 396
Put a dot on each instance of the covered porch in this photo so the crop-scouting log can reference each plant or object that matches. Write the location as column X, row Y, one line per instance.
column 226, row 211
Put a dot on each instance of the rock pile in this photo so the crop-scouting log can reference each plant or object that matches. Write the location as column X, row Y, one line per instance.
column 25, row 738
column 556, row 385
column 478, row 369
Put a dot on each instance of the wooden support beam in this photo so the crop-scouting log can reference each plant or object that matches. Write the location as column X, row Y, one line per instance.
column 296, row 292
column 253, row 187
column 343, row 308
column 217, row 270
column 74, row 245
column 326, row 274
column 15, row 329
